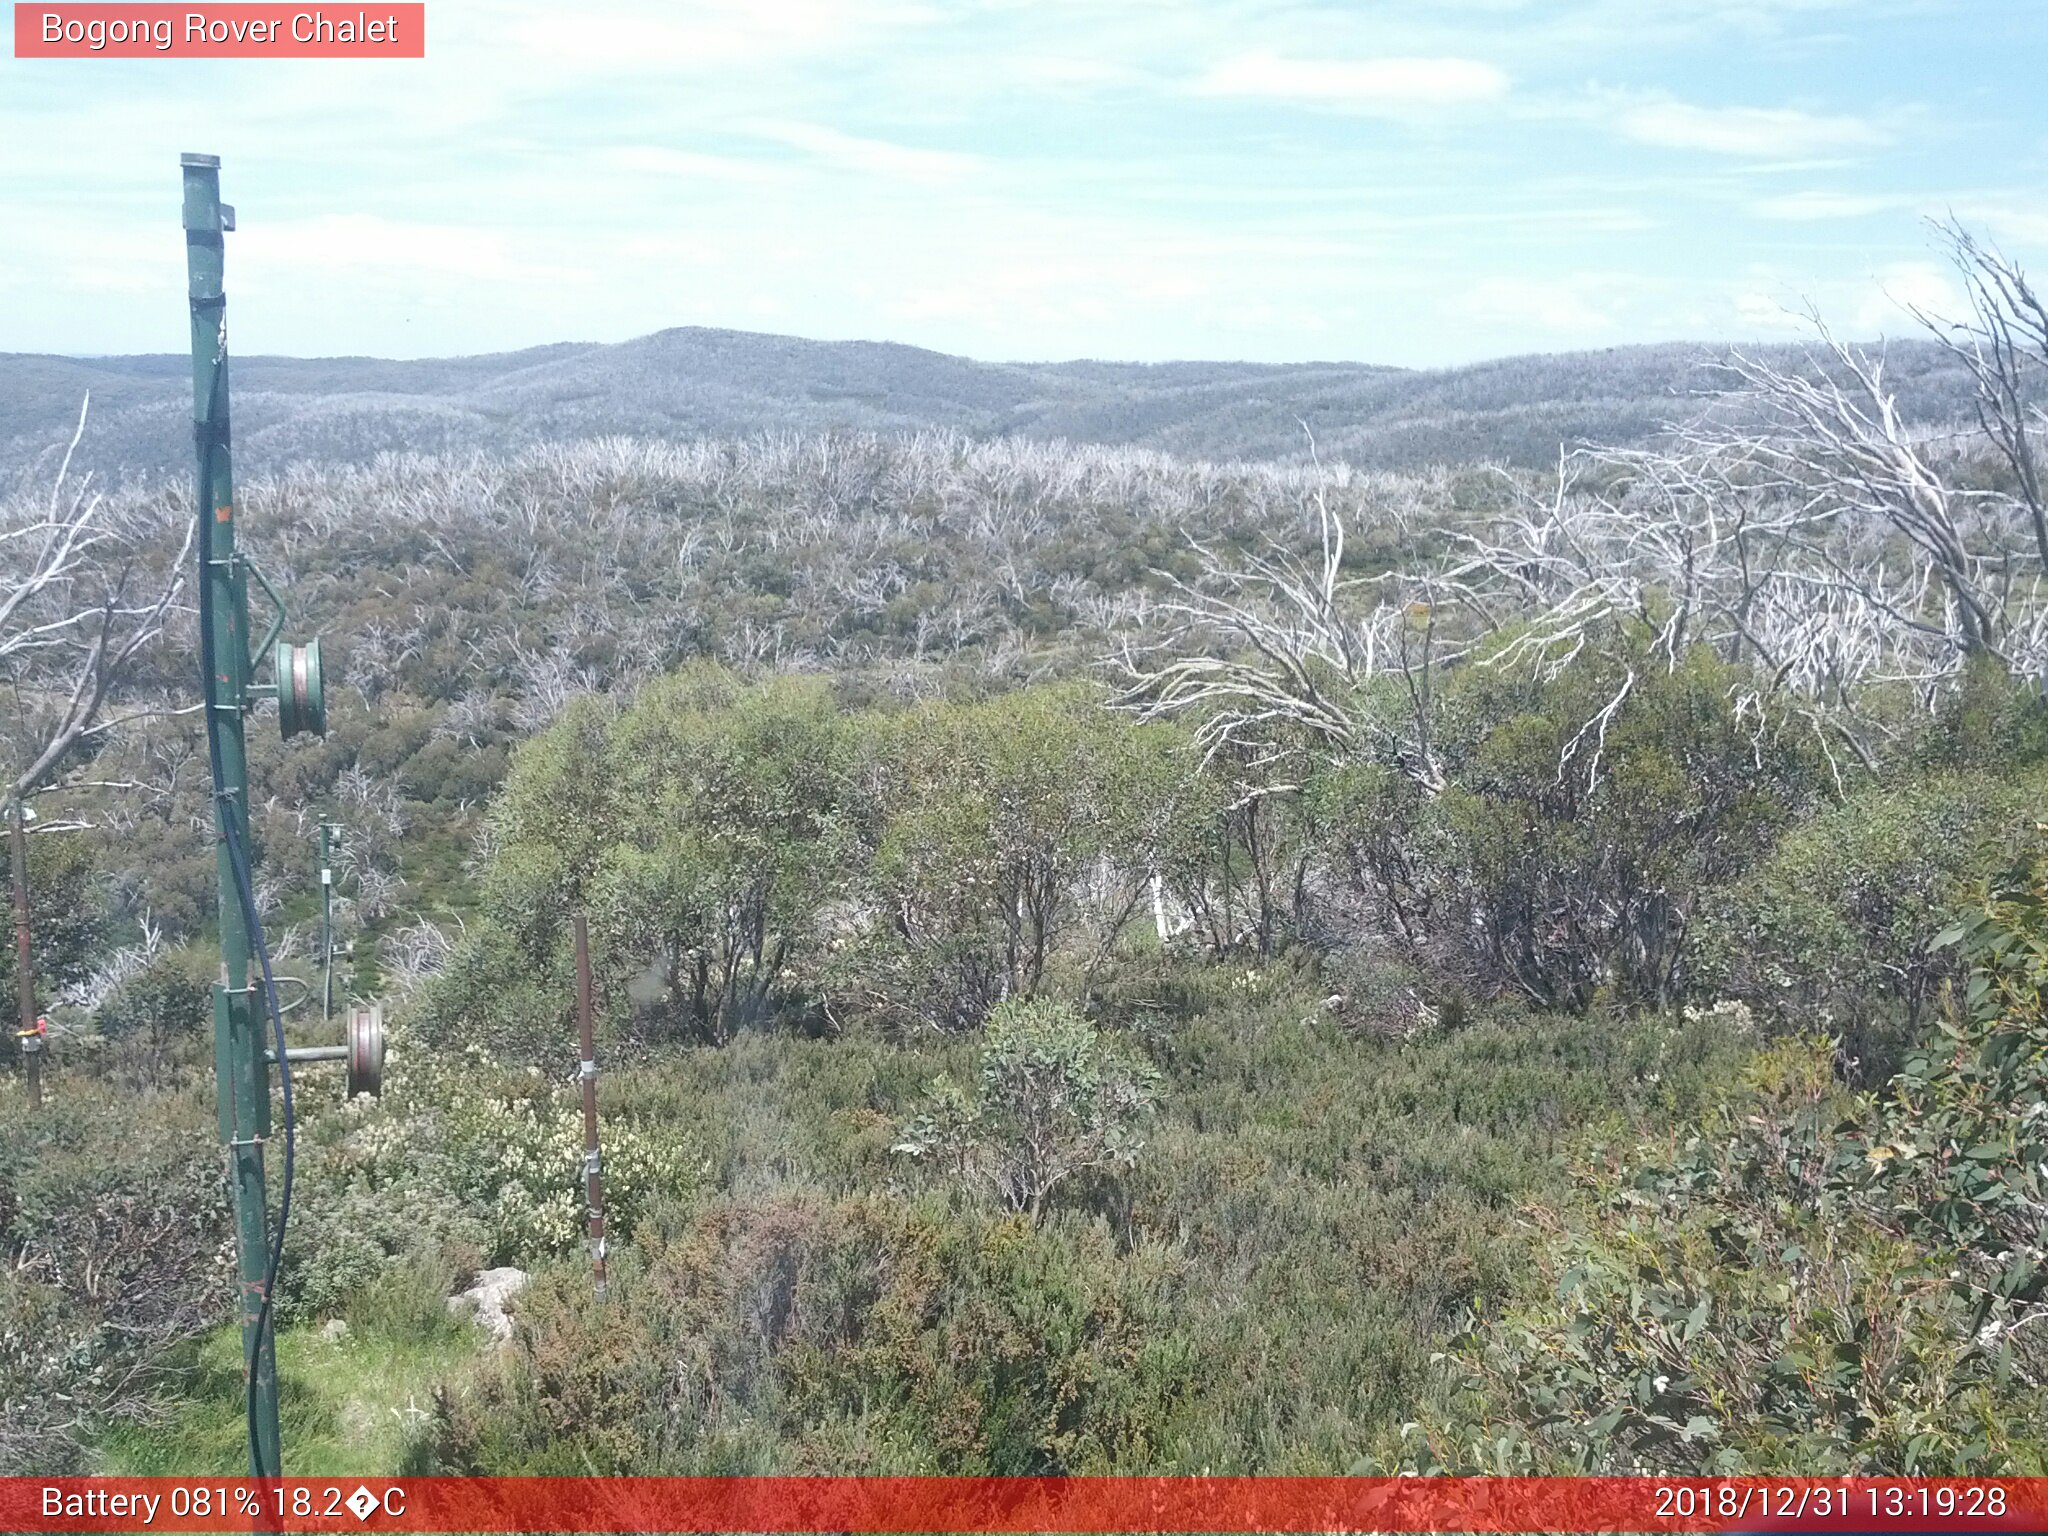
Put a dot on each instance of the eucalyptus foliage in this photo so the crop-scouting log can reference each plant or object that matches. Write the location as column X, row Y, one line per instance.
column 1814, row 1281
column 1053, row 1100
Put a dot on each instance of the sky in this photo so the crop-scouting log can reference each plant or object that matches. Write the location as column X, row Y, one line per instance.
column 1411, row 182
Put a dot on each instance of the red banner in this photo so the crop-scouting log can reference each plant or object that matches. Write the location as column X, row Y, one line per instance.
column 238, row 31
column 1105, row 1504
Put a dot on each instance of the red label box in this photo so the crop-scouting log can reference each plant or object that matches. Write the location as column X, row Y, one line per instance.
column 235, row 31
column 1680, row 1506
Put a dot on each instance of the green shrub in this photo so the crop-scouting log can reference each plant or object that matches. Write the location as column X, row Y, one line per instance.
column 1841, row 918
column 704, row 831
column 353, row 1230
column 1259, row 1291
column 1054, row 1100
column 733, row 838
column 406, row 1302
column 1376, row 839
column 461, row 1157
column 1576, row 822
column 859, row 1334
column 1992, row 720
column 115, row 1223
column 753, row 853
column 1587, row 815
column 1006, row 834
column 67, row 893
column 163, row 1002
column 504, row 991
column 1817, row 1282
column 1962, row 1157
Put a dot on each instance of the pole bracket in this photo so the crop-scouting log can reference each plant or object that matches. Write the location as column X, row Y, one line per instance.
column 278, row 612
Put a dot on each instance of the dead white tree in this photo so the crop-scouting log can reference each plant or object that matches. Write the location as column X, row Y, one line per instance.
column 80, row 600
column 417, row 952
column 1803, row 525
column 1800, row 525
column 1832, row 442
column 1270, row 649
column 2004, row 346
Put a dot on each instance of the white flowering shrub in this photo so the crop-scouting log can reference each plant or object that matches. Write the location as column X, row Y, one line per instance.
column 1731, row 1014
column 490, row 1159
column 520, row 1160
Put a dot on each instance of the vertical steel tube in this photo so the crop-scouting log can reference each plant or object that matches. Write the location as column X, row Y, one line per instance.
column 593, row 1176
column 243, row 1081
column 30, row 1039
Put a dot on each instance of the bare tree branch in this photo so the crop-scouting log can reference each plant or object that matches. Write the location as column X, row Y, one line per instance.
column 70, row 630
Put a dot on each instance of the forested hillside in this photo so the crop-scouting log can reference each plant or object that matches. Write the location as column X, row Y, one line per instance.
column 1107, row 960
column 693, row 382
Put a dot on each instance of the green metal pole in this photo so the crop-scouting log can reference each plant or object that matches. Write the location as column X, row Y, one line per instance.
column 243, row 1080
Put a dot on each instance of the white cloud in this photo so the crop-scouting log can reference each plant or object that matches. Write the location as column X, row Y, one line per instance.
column 707, row 33
column 870, row 157
column 366, row 241
column 1562, row 306
column 1776, row 302
column 1047, row 289
column 1364, row 84
column 691, row 165
column 1141, row 178
column 1763, row 132
column 2020, row 222
column 1068, row 72
column 1814, row 206
column 1762, row 313
column 95, row 259
column 1903, row 287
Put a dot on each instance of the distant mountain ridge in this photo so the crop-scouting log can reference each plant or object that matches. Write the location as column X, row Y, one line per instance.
column 692, row 381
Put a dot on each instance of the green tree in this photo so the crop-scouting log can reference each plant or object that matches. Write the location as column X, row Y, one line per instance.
column 1006, row 832
column 67, row 914
column 1587, row 813
column 733, row 839
column 164, row 1001
column 703, row 829
column 556, row 821
column 1370, row 828
column 1841, row 917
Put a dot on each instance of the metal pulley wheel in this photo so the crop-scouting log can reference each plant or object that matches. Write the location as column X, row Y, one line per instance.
column 365, row 1041
column 301, row 693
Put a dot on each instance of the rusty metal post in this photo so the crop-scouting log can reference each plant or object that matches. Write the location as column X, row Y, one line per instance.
column 327, row 829
column 586, row 1070
column 30, row 1038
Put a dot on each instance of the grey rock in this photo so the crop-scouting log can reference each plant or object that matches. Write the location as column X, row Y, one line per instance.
column 485, row 1300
